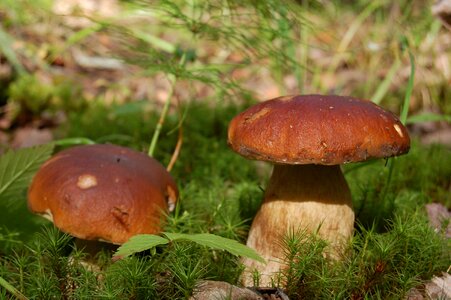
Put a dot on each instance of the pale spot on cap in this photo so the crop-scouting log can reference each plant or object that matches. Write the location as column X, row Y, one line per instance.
column 285, row 98
column 86, row 181
column 171, row 197
column 257, row 115
column 398, row 130
column 48, row 215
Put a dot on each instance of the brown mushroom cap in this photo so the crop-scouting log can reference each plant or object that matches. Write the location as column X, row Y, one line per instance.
column 102, row 192
column 317, row 129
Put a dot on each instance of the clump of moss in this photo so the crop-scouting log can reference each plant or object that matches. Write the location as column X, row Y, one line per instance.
column 377, row 265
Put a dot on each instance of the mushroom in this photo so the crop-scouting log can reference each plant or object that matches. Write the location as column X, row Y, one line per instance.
column 307, row 138
column 103, row 192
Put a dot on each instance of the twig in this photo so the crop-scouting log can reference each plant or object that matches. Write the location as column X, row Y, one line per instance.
column 178, row 146
column 176, row 152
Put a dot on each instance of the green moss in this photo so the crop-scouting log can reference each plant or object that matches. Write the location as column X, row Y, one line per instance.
column 393, row 249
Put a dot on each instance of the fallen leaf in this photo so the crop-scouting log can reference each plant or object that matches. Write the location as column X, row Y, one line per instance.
column 208, row 289
column 28, row 137
column 438, row 215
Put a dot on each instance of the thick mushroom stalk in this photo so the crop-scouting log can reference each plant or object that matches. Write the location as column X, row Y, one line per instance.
column 308, row 137
column 310, row 197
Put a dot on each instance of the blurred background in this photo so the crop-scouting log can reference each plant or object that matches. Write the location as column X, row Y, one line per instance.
column 59, row 58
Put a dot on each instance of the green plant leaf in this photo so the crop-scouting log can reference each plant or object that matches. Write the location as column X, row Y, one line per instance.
column 143, row 242
column 217, row 242
column 17, row 169
column 139, row 243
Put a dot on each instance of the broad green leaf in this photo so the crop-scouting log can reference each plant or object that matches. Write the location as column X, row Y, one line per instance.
column 217, row 242
column 139, row 243
column 17, row 169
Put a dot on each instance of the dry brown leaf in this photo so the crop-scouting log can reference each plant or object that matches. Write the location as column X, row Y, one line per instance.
column 442, row 9
column 29, row 136
column 207, row 290
column 438, row 214
column 441, row 136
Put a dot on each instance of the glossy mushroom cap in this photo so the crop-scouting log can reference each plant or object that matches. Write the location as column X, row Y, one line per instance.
column 103, row 192
column 317, row 129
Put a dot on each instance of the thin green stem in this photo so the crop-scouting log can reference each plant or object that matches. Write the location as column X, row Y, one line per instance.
column 5, row 47
column 390, row 165
column 73, row 141
column 405, row 106
column 350, row 33
column 385, row 85
column 404, row 111
column 173, row 80
column 12, row 289
column 302, row 69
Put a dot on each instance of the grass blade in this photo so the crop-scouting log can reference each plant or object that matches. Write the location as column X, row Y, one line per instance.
column 404, row 112
column 12, row 289
column 405, row 106
column 5, row 48
column 385, row 85
column 428, row 117
column 351, row 32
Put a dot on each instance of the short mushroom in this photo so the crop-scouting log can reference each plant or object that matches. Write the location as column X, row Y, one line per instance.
column 307, row 138
column 103, row 192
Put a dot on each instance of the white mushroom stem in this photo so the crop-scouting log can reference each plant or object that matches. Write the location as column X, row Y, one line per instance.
column 315, row 198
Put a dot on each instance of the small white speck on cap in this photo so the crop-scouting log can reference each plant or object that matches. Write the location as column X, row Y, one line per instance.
column 171, row 205
column 86, row 181
column 398, row 130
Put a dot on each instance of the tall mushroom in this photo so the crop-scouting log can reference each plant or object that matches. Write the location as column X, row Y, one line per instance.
column 103, row 192
column 307, row 138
